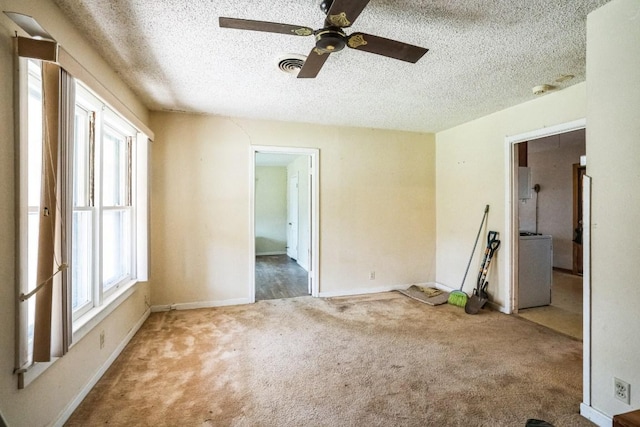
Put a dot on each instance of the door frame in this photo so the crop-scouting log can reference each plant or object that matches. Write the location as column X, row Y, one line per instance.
column 314, row 212
column 511, row 234
column 511, row 237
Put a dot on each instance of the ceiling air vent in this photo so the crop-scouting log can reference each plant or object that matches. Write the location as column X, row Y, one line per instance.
column 291, row 63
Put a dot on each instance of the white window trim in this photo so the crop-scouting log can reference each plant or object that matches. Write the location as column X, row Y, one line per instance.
column 110, row 299
column 86, row 323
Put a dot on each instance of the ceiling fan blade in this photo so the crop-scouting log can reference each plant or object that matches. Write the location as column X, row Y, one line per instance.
column 343, row 13
column 269, row 27
column 313, row 64
column 386, row 47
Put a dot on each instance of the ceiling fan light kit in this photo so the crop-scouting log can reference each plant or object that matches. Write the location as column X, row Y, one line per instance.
column 331, row 38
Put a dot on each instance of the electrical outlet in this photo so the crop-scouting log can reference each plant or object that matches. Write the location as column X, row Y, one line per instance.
column 372, row 275
column 101, row 339
column 622, row 390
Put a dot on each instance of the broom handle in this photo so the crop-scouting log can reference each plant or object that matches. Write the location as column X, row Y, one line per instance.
column 486, row 212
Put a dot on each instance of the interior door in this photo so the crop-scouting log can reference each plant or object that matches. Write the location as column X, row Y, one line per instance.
column 292, row 218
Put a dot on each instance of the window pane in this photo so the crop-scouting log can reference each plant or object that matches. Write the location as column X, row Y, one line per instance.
column 114, row 168
column 32, row 242
column 81, row 160
column 116, row 246
column 34, row 184
column 34, row 105
column 34, row 166
column 81, row 259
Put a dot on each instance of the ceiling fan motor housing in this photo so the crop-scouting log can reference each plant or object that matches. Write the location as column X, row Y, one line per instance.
column 331, row 39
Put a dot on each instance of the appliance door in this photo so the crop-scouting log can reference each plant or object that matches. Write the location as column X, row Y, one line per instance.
column 535, row 271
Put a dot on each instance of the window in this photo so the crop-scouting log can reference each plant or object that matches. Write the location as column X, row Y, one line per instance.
column 101, row 222
column 103, row 229
column 116, row 204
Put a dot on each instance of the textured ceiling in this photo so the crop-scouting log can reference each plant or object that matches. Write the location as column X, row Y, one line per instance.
column 484, row 56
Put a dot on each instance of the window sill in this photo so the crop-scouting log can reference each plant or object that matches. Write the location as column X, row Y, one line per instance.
column 90, row 320
column 29, row 375
column 81, row 328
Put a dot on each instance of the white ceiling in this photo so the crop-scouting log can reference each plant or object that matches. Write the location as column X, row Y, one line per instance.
column 484, row 56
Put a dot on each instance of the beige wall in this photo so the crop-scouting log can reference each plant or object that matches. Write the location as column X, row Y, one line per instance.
column 43, row 401
column 271, row 209
column 471, row 173
column 376, row 206
column 613, row 152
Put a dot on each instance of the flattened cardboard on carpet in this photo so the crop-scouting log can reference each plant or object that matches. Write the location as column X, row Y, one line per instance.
column 431, row 296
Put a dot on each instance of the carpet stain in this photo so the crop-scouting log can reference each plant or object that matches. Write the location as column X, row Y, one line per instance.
column 376, row 360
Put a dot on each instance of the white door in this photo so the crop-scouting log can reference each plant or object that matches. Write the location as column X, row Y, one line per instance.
column 292, row 218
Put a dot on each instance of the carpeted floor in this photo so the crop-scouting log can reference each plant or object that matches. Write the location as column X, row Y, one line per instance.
column 376, row 360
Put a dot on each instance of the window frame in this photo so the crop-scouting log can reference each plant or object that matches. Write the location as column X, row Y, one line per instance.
column 105, row 118
column 88, row 107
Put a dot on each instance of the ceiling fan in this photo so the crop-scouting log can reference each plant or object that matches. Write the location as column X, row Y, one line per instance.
column 331, row 38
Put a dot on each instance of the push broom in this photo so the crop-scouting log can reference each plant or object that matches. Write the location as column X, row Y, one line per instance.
column 458, row 297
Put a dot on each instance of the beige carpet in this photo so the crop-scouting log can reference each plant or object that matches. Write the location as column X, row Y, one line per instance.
column 377, row 360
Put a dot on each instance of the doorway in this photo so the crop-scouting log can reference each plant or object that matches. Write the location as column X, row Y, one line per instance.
column 284, row 222
column 547, row 289
column 511, row 238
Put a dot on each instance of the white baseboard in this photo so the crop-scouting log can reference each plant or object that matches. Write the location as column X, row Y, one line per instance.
column 437, row 285
column 497, row 307
column 199, row 304
column 271, row 253
column 595, row 416
column 64, row 416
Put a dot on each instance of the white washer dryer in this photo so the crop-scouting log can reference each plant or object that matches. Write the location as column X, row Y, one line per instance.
column 535, row 270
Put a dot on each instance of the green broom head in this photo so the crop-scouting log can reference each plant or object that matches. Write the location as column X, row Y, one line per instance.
column 458, row 298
